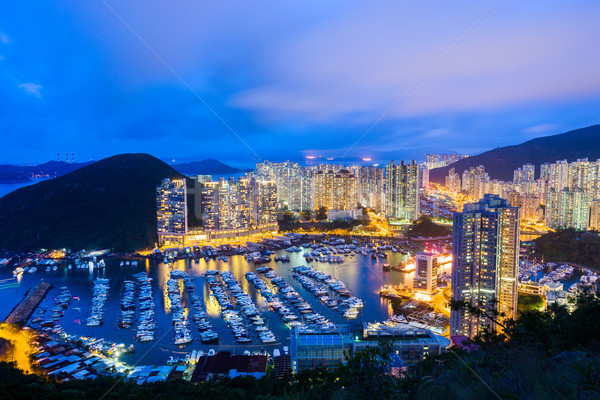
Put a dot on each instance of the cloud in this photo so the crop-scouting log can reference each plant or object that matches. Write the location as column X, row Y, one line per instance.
column 538, row 130
column 4, row 39
column 366, row 60
column 32, row 88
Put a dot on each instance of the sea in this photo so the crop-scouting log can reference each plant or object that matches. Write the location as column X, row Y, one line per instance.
column 362, row 275
column 6, row 188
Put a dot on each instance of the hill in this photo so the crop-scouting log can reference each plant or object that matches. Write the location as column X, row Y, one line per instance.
column 205, row 167
column 501, row 162
column 108, row 204
column 51, row 169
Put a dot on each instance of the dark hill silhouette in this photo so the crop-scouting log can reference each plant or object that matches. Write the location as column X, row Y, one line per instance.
column 205, row 167
column 108, row 204
column 500, row 163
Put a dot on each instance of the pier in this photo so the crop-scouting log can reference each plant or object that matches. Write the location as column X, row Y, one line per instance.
column 34, row 296
column 395, row 292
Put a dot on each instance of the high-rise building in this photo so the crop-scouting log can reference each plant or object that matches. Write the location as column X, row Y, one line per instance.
column 426, row 274
column 264, row 202
column 559, row 175
column 595, row 215
column 294, row 183
column 371, row 187
column 226, row 208
column 336, row 190
column 530, row 207
column 171, row 211
column 453, row 180
column 485, row 263
column 568, row 209
column 402, row 191
column 524, row 174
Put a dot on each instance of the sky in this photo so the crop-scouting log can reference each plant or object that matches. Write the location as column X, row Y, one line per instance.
column 247, row 81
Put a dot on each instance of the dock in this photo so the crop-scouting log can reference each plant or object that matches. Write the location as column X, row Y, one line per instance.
column 34, row 296
column 395, row 292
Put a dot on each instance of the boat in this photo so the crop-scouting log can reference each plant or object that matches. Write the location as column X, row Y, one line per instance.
column 386, row 267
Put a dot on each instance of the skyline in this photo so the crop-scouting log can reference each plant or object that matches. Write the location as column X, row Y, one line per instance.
column 291, row 81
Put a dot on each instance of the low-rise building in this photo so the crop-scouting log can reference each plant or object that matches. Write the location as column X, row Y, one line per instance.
column 327, row 348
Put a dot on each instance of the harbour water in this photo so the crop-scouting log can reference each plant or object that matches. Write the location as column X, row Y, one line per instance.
column 362, row 275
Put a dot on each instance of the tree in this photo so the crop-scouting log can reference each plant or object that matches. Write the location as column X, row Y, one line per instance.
column 322, row 213
column 306, row 215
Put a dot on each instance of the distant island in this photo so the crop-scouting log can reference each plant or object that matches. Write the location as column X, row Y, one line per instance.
column 501, row 162
column 51, row 169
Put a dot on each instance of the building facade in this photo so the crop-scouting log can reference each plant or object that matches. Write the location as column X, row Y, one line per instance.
column 223, row 209
column 171, row 211
column 335, row 190
column 402, row 191
column 485, row 263
column 426, row 274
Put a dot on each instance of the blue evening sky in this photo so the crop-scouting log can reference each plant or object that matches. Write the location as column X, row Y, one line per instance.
column 291, row 78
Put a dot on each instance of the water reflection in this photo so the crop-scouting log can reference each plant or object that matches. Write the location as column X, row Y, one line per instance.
column 362, row 275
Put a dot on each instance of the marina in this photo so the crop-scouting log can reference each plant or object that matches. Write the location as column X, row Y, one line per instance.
column 232, row 305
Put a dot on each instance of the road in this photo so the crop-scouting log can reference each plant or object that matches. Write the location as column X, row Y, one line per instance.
column 21, row 345
column 438, row 302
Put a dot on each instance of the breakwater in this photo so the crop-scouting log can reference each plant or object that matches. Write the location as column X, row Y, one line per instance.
column 34, row 296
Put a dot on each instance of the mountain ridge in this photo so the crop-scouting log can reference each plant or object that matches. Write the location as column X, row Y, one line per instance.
column 208, row 166
column 51, row 169
column 500, row 163
column 110, row 203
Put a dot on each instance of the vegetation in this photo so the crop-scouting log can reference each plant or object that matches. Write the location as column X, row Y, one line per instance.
column 542, row 355
column 425, row 227
column 530, row 302
column 108, row 204
column 569, row 244
column 306, row 215
column 320, row 226
column 321, row 213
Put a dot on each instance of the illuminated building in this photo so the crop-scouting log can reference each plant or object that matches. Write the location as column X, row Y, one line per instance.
column 559, row 175
column 336, row 190
column 436, row 160
column 473, row 180
column 226, row 204
column 595, row 215
column 568, row 209
column 402, row 191
column 514, row 199
column 221, row 209
column 484, row 263
column 524, row 174
column 371, row 187
column 294, row 183
column 424, row 177
column 453, row 181
column 426, row 274
column 171, row 211
column 312, row 348
column 264, row 203
column 530, row 207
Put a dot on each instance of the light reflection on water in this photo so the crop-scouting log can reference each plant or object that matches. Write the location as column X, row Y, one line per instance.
column 363, row 276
